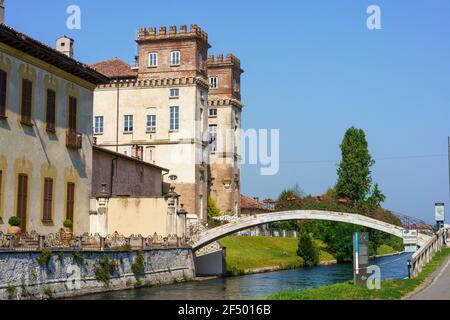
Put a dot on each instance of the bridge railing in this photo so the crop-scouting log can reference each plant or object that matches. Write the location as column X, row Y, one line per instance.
column 425, row 253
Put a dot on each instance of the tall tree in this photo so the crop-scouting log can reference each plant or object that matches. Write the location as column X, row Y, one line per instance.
column 354, row 175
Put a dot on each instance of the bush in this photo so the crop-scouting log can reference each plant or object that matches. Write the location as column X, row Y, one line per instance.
column 45, row 256
column 138, row 265
column 213, row 210
column 68, row 224
column 14, row 221
column 307, row 250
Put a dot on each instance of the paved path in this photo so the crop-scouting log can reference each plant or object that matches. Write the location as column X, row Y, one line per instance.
column 439, row 289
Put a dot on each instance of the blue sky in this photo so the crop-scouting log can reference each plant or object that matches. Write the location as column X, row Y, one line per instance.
column 313, row 69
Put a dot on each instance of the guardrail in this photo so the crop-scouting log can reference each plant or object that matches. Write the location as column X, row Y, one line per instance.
column 425, row 253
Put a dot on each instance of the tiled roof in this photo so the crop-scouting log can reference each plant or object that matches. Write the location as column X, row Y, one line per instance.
column 114, row 68
column 45, row 53
column 249, row 203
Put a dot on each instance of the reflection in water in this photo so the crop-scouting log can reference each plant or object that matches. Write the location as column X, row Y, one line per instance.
column 259, row 286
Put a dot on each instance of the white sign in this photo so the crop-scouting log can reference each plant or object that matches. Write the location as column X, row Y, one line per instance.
column 439, row 211
column 410, row 237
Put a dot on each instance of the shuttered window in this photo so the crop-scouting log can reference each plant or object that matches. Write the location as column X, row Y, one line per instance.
column 51, row 110
column 27, row 93
column 48, row 200
column 72, row 114
column 22, row 195
column 3, row 86
column 70, row 198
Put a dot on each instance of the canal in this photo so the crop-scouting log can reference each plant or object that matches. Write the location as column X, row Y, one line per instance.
column 258, row 286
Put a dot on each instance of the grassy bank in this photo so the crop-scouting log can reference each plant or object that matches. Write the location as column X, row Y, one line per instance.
column 390, row 289
column 246, row 253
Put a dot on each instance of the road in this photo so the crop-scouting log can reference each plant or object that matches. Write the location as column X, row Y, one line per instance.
column 439, row 289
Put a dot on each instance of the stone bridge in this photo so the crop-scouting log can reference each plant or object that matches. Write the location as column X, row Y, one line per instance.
column 207, row 237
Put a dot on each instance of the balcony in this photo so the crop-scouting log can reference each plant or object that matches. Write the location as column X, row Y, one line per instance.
column 73, row 140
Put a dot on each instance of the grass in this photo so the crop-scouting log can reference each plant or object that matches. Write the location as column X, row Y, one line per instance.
column 385, row 249
column 390, row 289
column 245, row 253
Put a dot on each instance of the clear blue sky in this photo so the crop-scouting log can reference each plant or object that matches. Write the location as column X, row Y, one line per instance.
column 313, row 69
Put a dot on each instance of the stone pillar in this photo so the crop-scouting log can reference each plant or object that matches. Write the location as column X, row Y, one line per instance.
column 181, row 223
column 99, row 213
column 172, row 206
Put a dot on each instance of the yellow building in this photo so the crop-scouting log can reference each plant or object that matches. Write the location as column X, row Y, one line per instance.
column 46, row 103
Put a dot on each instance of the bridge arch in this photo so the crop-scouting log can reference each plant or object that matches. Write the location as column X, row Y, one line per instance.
column 218, row 233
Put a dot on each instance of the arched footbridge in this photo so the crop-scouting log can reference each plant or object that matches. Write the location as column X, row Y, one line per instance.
column 207, row 237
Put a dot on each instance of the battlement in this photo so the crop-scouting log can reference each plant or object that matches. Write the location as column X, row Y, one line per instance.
column 172, row 33
column 220, row 60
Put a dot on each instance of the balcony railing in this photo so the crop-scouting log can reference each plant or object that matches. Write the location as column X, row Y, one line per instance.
column 73, row 140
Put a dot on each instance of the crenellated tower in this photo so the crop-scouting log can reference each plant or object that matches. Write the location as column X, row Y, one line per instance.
column 224, row 124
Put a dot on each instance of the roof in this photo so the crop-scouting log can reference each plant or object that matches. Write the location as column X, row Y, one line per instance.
column 123, row 156
column 43, row 52
column 114, row 68
column 249, row 203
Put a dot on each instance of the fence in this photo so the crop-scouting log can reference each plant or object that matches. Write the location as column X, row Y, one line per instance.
column 426, row 253
column 60, row 241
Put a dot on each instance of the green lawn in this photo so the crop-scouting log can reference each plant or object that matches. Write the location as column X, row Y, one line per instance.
column 385, row 249
column 390, row 289
column 244, row 253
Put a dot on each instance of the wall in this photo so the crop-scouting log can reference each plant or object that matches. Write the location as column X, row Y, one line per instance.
column 22, row 277
column 211, row 264
column 39, row 153
column 144, row 216
column 131, row 177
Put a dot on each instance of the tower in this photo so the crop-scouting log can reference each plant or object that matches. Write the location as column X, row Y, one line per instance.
column 224, row 124
column 2, row 11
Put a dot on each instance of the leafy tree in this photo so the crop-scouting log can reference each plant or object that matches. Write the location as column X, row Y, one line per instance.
column 213, row 210
column 377, row 197
column 354, row 175
column 307, row 250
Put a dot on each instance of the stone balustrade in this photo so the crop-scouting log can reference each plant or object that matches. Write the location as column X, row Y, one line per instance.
column 29, row 242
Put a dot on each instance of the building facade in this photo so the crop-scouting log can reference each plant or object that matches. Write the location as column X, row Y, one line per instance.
column 158, row 110
column 46, row 101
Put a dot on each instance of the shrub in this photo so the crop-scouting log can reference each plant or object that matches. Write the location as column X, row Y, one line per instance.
column 307, row 250
column 11, row 290
column 213, row 210
column 78, row 258
column 68, row 224
column 45, row 256
column 49, row 293
column 138, row 265
column 14, row 221
column 104, row 269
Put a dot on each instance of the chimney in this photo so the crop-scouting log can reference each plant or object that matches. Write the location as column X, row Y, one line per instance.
column 64, row 45
column 2, row 11
column 256, row 199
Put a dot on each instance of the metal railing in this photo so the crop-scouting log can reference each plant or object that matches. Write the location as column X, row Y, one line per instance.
column 425, row 253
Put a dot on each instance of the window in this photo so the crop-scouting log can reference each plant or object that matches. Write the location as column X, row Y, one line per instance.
column 1, row 181
column 213, row 138
column 27, row 93
column 22, row 196
column 175, row 58
column 212, row 113
column 72, row 122
column 51, row 110
column 128, row 124
column 3, row 86
column 153, row 59
column 98, row 125
column 174, row 118
column 174, row 93
column 214, row 81
column 201, row 64
column 151, row 123
column 70, row 200
column 48, row 200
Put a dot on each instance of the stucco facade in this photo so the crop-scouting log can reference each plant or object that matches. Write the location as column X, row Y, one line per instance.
column 29, row 149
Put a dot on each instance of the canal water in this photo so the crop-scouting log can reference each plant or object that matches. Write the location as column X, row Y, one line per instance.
column 259, row 286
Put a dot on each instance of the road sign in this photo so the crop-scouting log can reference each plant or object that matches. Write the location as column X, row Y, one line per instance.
column 410, row 237
column 439, row 209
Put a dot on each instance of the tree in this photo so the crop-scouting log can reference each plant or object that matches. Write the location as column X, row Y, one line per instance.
column 213, row 210
column 354, row 175
column 377, row 197
column 307, row 250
